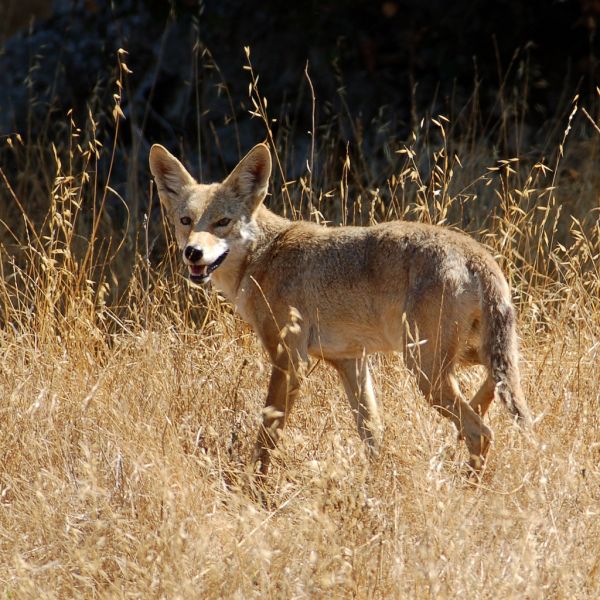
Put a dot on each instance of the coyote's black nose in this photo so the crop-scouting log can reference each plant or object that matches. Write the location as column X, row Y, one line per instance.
column 192, row 253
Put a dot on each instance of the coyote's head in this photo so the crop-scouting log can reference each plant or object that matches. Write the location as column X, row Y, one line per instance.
column 214, row 224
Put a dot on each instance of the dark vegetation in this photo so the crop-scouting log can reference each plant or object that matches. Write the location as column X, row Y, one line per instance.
column 353, row 81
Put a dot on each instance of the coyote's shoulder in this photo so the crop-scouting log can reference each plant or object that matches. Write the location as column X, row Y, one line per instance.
column 340, row 293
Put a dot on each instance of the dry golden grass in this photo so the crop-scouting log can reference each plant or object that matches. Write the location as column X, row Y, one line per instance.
column 118, row 453
column 126, row 429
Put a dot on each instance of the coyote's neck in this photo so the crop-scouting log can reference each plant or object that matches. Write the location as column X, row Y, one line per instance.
column 269, row 224
column 228, row 279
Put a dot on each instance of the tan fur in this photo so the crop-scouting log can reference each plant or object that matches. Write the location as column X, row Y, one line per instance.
column 341, row 293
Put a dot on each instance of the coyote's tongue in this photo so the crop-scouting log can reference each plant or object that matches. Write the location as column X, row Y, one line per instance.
column 201, row 270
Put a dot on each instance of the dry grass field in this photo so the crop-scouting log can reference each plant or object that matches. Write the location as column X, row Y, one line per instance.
column 126, row 423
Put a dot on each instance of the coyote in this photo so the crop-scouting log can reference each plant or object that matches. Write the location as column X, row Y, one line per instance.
column 341, row 293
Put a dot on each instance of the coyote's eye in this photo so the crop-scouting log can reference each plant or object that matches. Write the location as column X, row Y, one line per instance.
column 185, row 221
column 222, row 222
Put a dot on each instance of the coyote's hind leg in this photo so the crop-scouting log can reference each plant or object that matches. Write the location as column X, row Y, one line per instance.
column 430, row 355
column 484, row 396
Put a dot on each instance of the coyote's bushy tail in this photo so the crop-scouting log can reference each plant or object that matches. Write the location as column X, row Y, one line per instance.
column 499, row 342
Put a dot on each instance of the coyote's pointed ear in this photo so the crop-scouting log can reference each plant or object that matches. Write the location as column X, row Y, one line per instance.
column 170, row 175
column 250, row 179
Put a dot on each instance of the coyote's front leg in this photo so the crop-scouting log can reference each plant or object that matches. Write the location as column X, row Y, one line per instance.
column 356, row 380
column 283, row 390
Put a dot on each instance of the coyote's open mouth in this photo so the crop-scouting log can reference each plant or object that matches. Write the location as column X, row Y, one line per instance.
column 201, row 273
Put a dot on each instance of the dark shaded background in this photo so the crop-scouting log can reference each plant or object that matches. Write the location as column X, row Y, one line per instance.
column 504, row 72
